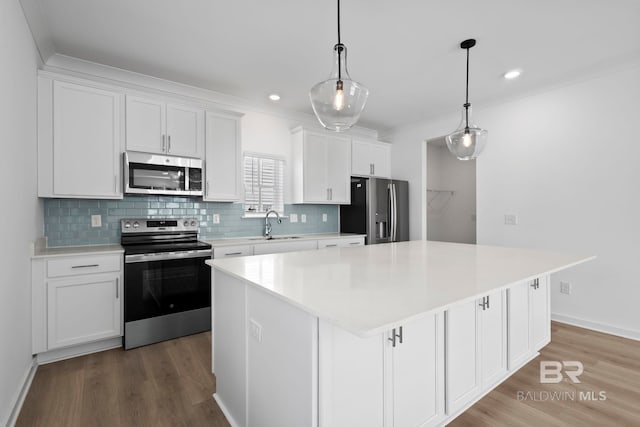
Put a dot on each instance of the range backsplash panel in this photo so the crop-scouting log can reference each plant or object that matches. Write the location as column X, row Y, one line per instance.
column 67, row 222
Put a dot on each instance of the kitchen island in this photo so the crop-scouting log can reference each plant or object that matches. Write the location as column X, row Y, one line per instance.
column 401, row 334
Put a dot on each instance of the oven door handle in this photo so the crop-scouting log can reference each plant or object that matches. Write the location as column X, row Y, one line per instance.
column 164, row 256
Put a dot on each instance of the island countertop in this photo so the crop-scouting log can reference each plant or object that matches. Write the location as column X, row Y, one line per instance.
column 369, row 289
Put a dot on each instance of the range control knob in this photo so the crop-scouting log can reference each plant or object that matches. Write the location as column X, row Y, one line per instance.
column 186, row 223
column 193, row 223
column 135, row 224
column 127, row 224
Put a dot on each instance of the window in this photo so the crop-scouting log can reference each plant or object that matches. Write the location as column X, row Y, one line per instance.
column 263, row 184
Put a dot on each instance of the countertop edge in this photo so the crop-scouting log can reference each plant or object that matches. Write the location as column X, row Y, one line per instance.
column 257, row 240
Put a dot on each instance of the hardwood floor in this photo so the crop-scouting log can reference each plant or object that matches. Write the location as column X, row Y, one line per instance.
column 611, row 365
column 170, row 384
column 165, row 384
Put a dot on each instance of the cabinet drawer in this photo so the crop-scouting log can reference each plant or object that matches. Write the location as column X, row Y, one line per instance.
column 341, row 243
column 232, row 251
column 75, row 266
column 281, row 247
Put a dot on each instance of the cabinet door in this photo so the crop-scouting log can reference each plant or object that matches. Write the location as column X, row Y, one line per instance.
column 381, row 159
column 223, row 159
column 315, row 168
column 418, row 373
column 462, row 355
column 493, row 339
column 350, row 378
column 86, row 142
column 145, row 128
column 338, row 170
column 361, row 162
column 281, row 247
column 518, row 325
column 82, row 309
column 540, row 314
column 185, row 131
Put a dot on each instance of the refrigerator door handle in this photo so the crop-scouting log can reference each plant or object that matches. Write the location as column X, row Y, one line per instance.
column 394, row 217
column 389, row 212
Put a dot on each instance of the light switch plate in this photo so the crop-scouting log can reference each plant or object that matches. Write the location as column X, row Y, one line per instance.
column 255, row 330
column 511, row 219
column 324, row 217
column 565, row 288
column 216, row 218
column 96, row 220
column 303, row 218
column 293, row 217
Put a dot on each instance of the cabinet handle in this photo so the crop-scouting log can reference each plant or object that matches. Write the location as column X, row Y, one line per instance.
column 400, row 336
column 485, row 303
column 164, row 143
column 233, row 253
column 393, row 337
column 168, row 143
column 328, row 196
column 354, row 243
column 117, row 288
column 331, row 246
column 535, row 284
column 331, row 194
column 372, row 169
column 85, row 266
column 207, row 189
column 115, row 183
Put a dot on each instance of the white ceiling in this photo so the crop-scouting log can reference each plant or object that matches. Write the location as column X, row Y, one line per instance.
column 406, row 52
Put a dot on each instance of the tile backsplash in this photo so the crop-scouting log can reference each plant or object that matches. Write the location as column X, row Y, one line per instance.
column 67, row 222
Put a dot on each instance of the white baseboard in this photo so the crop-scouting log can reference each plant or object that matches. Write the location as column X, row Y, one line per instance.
column 595, row 326
column 225, row 411
column 78, row 350
column 22, row 394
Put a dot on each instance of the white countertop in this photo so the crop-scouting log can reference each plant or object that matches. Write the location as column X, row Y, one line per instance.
column 46, row 252
column 257, row 240
column 370, row 289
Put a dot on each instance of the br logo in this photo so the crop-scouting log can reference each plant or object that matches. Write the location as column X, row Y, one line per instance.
column 551, row 371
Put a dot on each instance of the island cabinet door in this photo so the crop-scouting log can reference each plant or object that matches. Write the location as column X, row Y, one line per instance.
column 350, row 378
column 540, row 313
column 462, row 350
column 415, row 371
column 493, row 342
column 518, row 325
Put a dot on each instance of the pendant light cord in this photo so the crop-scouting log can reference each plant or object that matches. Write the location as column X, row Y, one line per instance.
column 339, row 47
column 466, row 103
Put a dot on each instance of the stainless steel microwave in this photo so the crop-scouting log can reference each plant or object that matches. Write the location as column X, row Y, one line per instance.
column 148, row 173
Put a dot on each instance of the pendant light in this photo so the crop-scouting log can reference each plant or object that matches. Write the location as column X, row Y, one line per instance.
column 468, row 140
column 338, row 101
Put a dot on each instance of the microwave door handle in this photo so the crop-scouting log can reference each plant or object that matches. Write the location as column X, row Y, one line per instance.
column 187, row 186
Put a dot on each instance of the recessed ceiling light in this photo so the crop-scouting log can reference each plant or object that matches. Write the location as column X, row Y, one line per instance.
column 509, row 75
column 274, row 97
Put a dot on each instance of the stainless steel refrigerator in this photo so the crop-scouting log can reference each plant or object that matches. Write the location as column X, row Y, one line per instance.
column 379, row 208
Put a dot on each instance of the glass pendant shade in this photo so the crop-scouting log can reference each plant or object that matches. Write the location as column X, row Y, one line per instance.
column 338, row 101
column 468, row 140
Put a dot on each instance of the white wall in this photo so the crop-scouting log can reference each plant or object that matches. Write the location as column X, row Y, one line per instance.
column 21, row 215
column 566, row 162
column 451, row 196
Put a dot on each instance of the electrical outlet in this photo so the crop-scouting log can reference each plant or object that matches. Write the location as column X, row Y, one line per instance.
column 565, row 288
column 255, row 330
column 216, row 218
column 324, row 217
column 96, row 220
column 303, row 218
column 511, row 219
column 293, row 217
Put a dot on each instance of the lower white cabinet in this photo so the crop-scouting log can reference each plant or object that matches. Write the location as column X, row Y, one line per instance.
column 288, row 246
column 341, row 242
column 475, row 348
column 529, row 319
column 232, row 251
column 76, row 299
column 82, row 309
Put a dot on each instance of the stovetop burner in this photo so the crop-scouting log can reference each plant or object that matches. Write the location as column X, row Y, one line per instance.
column 142, row 236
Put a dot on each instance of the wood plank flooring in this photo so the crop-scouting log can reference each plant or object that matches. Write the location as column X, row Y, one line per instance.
column 170, row 384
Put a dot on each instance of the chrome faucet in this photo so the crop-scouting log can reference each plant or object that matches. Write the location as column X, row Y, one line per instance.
column 267, row 224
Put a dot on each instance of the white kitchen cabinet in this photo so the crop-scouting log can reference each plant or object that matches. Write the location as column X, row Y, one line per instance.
column 232, row 251
column 475, row 348
column 416, row 393
column 370, row 158
column 156, row 126
column 321, row 168
column 341, row 242
column 223, row 162
column 286, row 246
column 79, row 140
column 76, row 300
column 529, row 319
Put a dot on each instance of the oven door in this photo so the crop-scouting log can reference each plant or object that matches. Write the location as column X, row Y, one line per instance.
column 166, row 283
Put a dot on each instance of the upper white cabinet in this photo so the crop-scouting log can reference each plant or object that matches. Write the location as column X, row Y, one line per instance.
column 223, row 160
column 529, row 319
column 321, row 168
column 370, row 158
column 79, row 140
column 476, row 348
column 156, row 126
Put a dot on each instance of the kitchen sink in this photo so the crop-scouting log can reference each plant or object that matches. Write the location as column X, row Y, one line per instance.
column 276, row 238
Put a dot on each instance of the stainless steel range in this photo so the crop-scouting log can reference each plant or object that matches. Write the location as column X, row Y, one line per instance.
column 167, row 286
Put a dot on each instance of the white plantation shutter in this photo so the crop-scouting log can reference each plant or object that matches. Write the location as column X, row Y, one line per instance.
column 263, row 184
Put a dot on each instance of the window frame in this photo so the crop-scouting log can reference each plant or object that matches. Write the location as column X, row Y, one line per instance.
column 261, row 156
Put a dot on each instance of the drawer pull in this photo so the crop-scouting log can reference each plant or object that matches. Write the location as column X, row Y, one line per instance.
column 354, row 243
column 331, row 246
column 233, row 253
column 85, row 266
